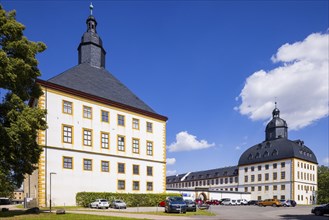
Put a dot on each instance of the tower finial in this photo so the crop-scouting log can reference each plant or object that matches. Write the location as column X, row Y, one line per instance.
column 91, row 7
column 275, row 102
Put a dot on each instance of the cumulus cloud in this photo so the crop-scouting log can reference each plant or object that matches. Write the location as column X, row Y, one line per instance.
column 300, row 83
column 187, row 142
column 171, row 172
column 171, row 161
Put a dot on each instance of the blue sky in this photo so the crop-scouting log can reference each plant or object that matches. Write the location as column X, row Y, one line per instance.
column 213, row 68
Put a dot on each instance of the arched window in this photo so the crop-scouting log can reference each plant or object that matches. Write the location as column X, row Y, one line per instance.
column 266, row 154
column 274, row 152
column 257, row 155
column 250, row 157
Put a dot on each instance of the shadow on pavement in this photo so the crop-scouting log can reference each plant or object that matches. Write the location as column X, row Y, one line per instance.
column 304, row 217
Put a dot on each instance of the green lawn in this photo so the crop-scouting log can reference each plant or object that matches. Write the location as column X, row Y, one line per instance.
column 198, row 212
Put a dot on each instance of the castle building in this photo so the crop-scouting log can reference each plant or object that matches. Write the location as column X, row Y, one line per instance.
column 275, row 168
column 101, row 137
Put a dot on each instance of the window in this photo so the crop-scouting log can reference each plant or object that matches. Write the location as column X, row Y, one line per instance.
column 252, row 189
column 252, row 178
column 149, row 186
column 252, row 168
column 67, row 107
column 135, row 185
column 246, row 169
column 259, row 188
column 87, row 164
column 283, row 164
column 87, row 112
column 236, row 179
column 149, row 148
column 283, row 187
column 149, row 171
column 105, row 116
column 121, row 168
column 121, row 120
column 105, row 140
column 275, row 166
column 275, row 187
column 266, row 176
column 266, row 188
column 245, row 179
column 135, row 146
column 135, row 123
column 121, row 184
column 283, row 175
column 267, row 166
column 136, row 169
column 259, row 167
column 245, row 189
column 121, row 143
column 259, row 177
column 105, row 166
column 275, row 176
column 67, row 134
column 87, row 137
column 67, row 162
column 149, row 127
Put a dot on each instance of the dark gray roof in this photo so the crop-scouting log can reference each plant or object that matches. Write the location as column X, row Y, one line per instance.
column 99, row 82
column 277, row 149
column 205, row 174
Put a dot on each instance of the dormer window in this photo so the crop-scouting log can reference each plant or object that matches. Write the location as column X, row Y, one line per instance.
column 274, row 153
column 257, row 155
column 266, row 154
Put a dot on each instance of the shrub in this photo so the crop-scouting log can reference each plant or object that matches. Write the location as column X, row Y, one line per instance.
column 132, row 200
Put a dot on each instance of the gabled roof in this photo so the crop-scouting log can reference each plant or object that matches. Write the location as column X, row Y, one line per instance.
column 99, row 82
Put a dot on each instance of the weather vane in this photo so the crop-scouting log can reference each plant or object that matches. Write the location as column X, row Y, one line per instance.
column 91, row 8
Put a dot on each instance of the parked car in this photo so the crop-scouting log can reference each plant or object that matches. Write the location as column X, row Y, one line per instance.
column 162, row 203
column 242, row 202
column 321, row 210
column 203, row 206
column 175, row 204
column 190, row 205
column 284, row 203
column 198, row 201
column 270, row 202
column 234, row 202
column 226, row 201
column 118, row 204
column 213, row 202
column 292, row 203
column 253, row 202
column 99, row 204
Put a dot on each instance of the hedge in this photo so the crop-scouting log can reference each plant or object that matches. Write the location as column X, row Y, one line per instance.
column 132, row 200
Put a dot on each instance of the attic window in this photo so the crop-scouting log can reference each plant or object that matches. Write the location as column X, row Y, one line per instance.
column 274, row 153
column 266, row 154
column 268, row 144
column 259, row 146
column 192, row 177
column 257, row 155
column 250, row 157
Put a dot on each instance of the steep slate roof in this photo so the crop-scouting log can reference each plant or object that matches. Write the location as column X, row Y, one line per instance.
column 278, row 149
column 206, row 174
column 99, row 82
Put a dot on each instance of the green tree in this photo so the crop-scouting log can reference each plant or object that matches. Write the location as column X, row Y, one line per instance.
column 19, row 121
column 323, row 184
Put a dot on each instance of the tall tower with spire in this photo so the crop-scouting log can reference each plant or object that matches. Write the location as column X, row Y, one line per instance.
column 91, row 49
column 277, row 127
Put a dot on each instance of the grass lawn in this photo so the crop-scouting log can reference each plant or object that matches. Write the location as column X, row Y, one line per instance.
column 198, row 212
column 20, row 214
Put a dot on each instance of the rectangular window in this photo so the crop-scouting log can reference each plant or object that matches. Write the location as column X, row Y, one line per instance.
column 246, row 169
column 67, row 107
column 259, row 177
column 283, row 164
column 252, row 168
column 267, row 166
column 149, row 171
column 275, row 187
column 87, row 112
column 252, row 178
column 283, row 187
column 87, row 137
column 252, row 189
column 259, row 167
column 105, row 116
column 283, row 175
column 67, row 162
column 245, row 179
column 121, row 168
column 105, row 140
column 136, row 169
column 67, row 134
column 135, row 146
column 135, row 185
column 266, row 188
column 149, row 148
column 275, row 166
column 87, row 164
column 283, row 197
column 259, row 188
column 121, row 120
column 105, row 166
column 245, row 189
column 275, row 176
column 149, row 186
column 266, row 176
column 135, row 123
column 149, row 127
column 121, row 184
column 121, row 143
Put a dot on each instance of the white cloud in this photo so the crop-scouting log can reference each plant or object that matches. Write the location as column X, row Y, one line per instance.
column 188, row 142
column 171, row 161
column 326, row 161
column 300, row 84
column 171, row 172
column 237, row 148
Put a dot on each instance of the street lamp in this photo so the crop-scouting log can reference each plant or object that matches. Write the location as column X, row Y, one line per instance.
column 50, row 188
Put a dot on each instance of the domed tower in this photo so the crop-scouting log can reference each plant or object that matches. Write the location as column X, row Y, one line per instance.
column 277, row 127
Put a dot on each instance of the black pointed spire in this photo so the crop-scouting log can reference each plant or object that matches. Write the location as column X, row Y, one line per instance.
column 91, row 49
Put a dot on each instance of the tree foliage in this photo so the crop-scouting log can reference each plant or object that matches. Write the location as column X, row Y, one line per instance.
column 19, row 122
column 323, row 185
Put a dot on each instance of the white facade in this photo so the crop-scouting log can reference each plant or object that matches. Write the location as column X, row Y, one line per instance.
column 80, row 159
